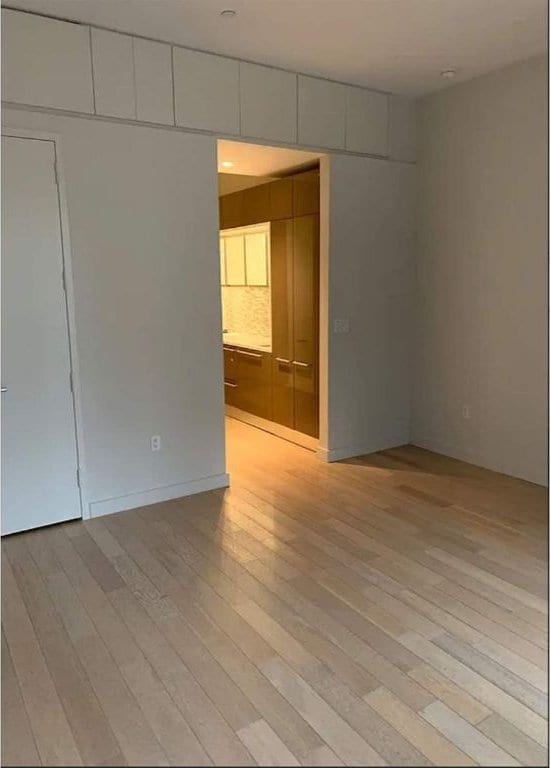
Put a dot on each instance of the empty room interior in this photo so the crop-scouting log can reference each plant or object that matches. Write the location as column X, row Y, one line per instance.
column 274, row 371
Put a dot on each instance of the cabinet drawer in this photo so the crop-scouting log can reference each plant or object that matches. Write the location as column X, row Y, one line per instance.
column 254, row 380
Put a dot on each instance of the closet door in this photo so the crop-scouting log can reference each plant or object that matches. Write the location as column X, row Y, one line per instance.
column 282, row 331
column 306, row 324
column 39, row 455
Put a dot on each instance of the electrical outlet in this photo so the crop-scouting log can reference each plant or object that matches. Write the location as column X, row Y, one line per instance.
column 155, row 443
column 341, row 325
column 465, row 411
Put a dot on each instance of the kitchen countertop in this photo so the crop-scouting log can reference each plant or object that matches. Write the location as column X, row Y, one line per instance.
column 248, row 341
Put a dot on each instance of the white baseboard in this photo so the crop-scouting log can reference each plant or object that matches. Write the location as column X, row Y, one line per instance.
column 305, row 441
column 156, row 495
column 360, row 449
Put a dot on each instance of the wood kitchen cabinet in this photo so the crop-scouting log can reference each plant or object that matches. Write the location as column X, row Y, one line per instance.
column 283, row 386
column 247, row 380
column 255, row 204
column 295, row 320
column 282, row 321
column 306, row 324
column 305, row 193
column 280, row 199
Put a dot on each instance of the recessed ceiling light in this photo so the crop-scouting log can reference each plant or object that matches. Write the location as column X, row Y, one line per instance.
column 228, row 13
column 227, row 164
column 448, row 74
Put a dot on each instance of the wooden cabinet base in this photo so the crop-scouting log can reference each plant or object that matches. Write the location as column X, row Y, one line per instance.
column 305, row 441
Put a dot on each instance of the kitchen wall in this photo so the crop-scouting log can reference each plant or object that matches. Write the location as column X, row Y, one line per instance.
column 142, row 208
column 246, row 309
column 480, row 384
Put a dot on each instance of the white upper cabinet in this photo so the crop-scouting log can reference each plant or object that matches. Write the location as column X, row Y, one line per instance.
column 46, row 62
column 153, row 73
column 268, row 103
column 206, row 89
column 403, row 129
column 366, row 121
column 321, row 113
column 114, row 87
column 235, row 269
column 256, row 258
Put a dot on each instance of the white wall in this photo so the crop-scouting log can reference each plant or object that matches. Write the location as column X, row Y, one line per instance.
column 482, row 272
column 142, row 205
column 371, row 271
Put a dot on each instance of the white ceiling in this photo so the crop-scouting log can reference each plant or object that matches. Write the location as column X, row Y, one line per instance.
column 257, row 160
column 395, row 45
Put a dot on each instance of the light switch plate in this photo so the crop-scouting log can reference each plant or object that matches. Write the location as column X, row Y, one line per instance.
column 341, row 325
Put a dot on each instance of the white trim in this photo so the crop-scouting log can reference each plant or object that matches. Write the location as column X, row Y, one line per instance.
column 55, row 138
column 304, row 441
column 156, row 495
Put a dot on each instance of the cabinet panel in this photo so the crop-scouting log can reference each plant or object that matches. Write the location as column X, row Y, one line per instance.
column 268, row 103
column 305, row 193
column 206, row 89
column 231, row 210
column 280, row 199
column 256, row 252
column 153, row 73
column 253, row 393
column 282, row 290
column 306, row 324
column 230, row 376
column 366, row 121
column 234, row 260
column 46, row 62
column 321, row 112
column 255, row 206
column 113, row 59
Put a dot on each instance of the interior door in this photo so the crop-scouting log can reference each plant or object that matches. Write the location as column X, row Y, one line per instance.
column 39, row 453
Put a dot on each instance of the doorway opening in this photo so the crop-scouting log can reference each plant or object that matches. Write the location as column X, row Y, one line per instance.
column 270, row 272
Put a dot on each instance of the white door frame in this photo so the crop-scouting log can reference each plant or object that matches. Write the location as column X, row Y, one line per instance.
column 55, row 138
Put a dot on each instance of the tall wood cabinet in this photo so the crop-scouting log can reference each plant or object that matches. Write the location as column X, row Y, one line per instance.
column 292, row 206
column 295, row 310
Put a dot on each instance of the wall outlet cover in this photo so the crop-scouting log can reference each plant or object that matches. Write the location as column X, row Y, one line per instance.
column 341, row 325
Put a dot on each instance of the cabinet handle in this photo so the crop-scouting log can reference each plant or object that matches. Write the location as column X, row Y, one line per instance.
column 248, row 354
column 228, row 349
column 230, row 384
column 283, row 360
column 300, row 364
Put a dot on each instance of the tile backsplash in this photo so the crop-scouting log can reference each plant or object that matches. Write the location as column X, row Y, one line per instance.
column 246, row 309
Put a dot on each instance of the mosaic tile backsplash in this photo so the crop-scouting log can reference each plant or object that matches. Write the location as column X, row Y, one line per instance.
column 246, row 309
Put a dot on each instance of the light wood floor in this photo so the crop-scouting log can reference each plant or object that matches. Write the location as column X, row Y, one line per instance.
column 385, row 610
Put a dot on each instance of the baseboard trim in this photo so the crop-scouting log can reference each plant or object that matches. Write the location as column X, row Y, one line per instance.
column 156, row 495
column 305, row 441
column 360, row 449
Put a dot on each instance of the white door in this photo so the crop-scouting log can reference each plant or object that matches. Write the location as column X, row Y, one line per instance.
column 39, row 455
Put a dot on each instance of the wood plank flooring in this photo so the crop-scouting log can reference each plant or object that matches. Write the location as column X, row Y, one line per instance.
column 387, row 610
